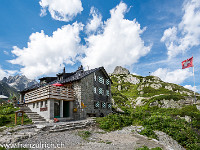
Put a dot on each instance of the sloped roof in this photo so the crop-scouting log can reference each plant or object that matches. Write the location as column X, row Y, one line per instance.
column 3, row 96
column 75, row 77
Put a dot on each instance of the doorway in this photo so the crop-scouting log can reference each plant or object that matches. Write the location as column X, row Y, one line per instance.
column 66, row 108
column 56, row 109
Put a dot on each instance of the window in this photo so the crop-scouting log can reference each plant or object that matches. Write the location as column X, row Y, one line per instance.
column 101, row 80
column 37, row 105
column 103, row 105
column 33, row 105
column 41, row 104
column 95, row 90
column 107, row 81
column 45, row 103
column 96, row 105
column 107, row 93
column 101, row 91
column 95, row 77
column 109, row 106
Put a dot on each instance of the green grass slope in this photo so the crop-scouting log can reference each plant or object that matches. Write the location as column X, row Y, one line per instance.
column 150, row 88
column 172, row 121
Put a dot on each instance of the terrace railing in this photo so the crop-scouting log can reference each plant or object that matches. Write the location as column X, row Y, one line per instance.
column 50, row 92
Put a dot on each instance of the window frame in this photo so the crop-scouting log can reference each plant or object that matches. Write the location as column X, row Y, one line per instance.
column 95, row 104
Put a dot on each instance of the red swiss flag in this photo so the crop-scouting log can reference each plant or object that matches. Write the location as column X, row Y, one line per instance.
column 187, row 63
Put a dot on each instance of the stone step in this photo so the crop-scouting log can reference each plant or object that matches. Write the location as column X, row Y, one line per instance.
column 35, row 115
column 60, row 130
column 80, row 127
column 32, row 117
column 38, row 122
column 31, row 112
column 35, row 120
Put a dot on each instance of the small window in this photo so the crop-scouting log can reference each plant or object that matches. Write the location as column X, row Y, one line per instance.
column 96, row 105
column 101, row 91
column 101, row 80
column 107, row 81
column 95, row 90
column 33, row 105
column 109, row 106
column 37, row 105
column 41, row 104
column 45, row 103
column 103, row 105
column 107, row 93
column 95, row 77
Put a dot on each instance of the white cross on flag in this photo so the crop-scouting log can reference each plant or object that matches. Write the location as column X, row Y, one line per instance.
column 187, row 63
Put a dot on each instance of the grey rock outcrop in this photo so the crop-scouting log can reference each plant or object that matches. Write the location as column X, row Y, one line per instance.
column 168, row 142
column 156, row 86
column 169, row 88
column 19, row 82
column 121, row 70
column 132, row 79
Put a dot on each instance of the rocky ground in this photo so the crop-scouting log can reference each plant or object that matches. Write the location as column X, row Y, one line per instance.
column 98, row 140
column 57, row 137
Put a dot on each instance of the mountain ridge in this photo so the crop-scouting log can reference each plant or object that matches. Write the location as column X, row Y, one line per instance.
column 8, row 91
column 133, row 90
column 19, row 82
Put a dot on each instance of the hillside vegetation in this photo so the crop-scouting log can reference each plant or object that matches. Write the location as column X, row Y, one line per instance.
column 131, row 90
column 156, row 105
column 7, row 116
column 8, row 91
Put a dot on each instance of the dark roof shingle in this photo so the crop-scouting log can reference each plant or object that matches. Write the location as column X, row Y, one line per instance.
column 75, row 77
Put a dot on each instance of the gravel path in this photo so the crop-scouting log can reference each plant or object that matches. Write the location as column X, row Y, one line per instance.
column 123, row 139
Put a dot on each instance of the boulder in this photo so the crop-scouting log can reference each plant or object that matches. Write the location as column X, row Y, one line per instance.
column 121, row 70
column 132, row 79
column 168, row 88
column 119, row 87
column 156, row 86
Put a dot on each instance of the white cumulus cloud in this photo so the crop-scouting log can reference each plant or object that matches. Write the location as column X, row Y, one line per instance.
column 118, row 43
column 176, row 76
column 95, row 22
column 6, row 73
column 62, row 10
column 179, row 39
column 47, row 54
column 193, row 88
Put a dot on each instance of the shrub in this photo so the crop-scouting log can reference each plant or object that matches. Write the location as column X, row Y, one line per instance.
column 6, row 111
column 149, row 133
column 114, row 122
column 2, row 148
column 3, row 120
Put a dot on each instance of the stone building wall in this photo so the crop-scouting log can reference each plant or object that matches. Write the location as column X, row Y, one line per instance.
column 84, row 94
column 101, row 98
column 87, row 95
column 77, row 99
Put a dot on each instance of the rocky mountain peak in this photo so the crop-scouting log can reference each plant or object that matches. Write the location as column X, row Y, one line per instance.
column 19, row 82
column 120, row 70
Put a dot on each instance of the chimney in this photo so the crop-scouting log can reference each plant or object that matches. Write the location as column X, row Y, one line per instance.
column 64, row 70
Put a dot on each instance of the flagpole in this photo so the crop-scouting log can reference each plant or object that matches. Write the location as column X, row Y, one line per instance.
column 194, row 87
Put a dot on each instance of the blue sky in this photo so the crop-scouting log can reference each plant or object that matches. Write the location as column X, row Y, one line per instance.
column 39, row 37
